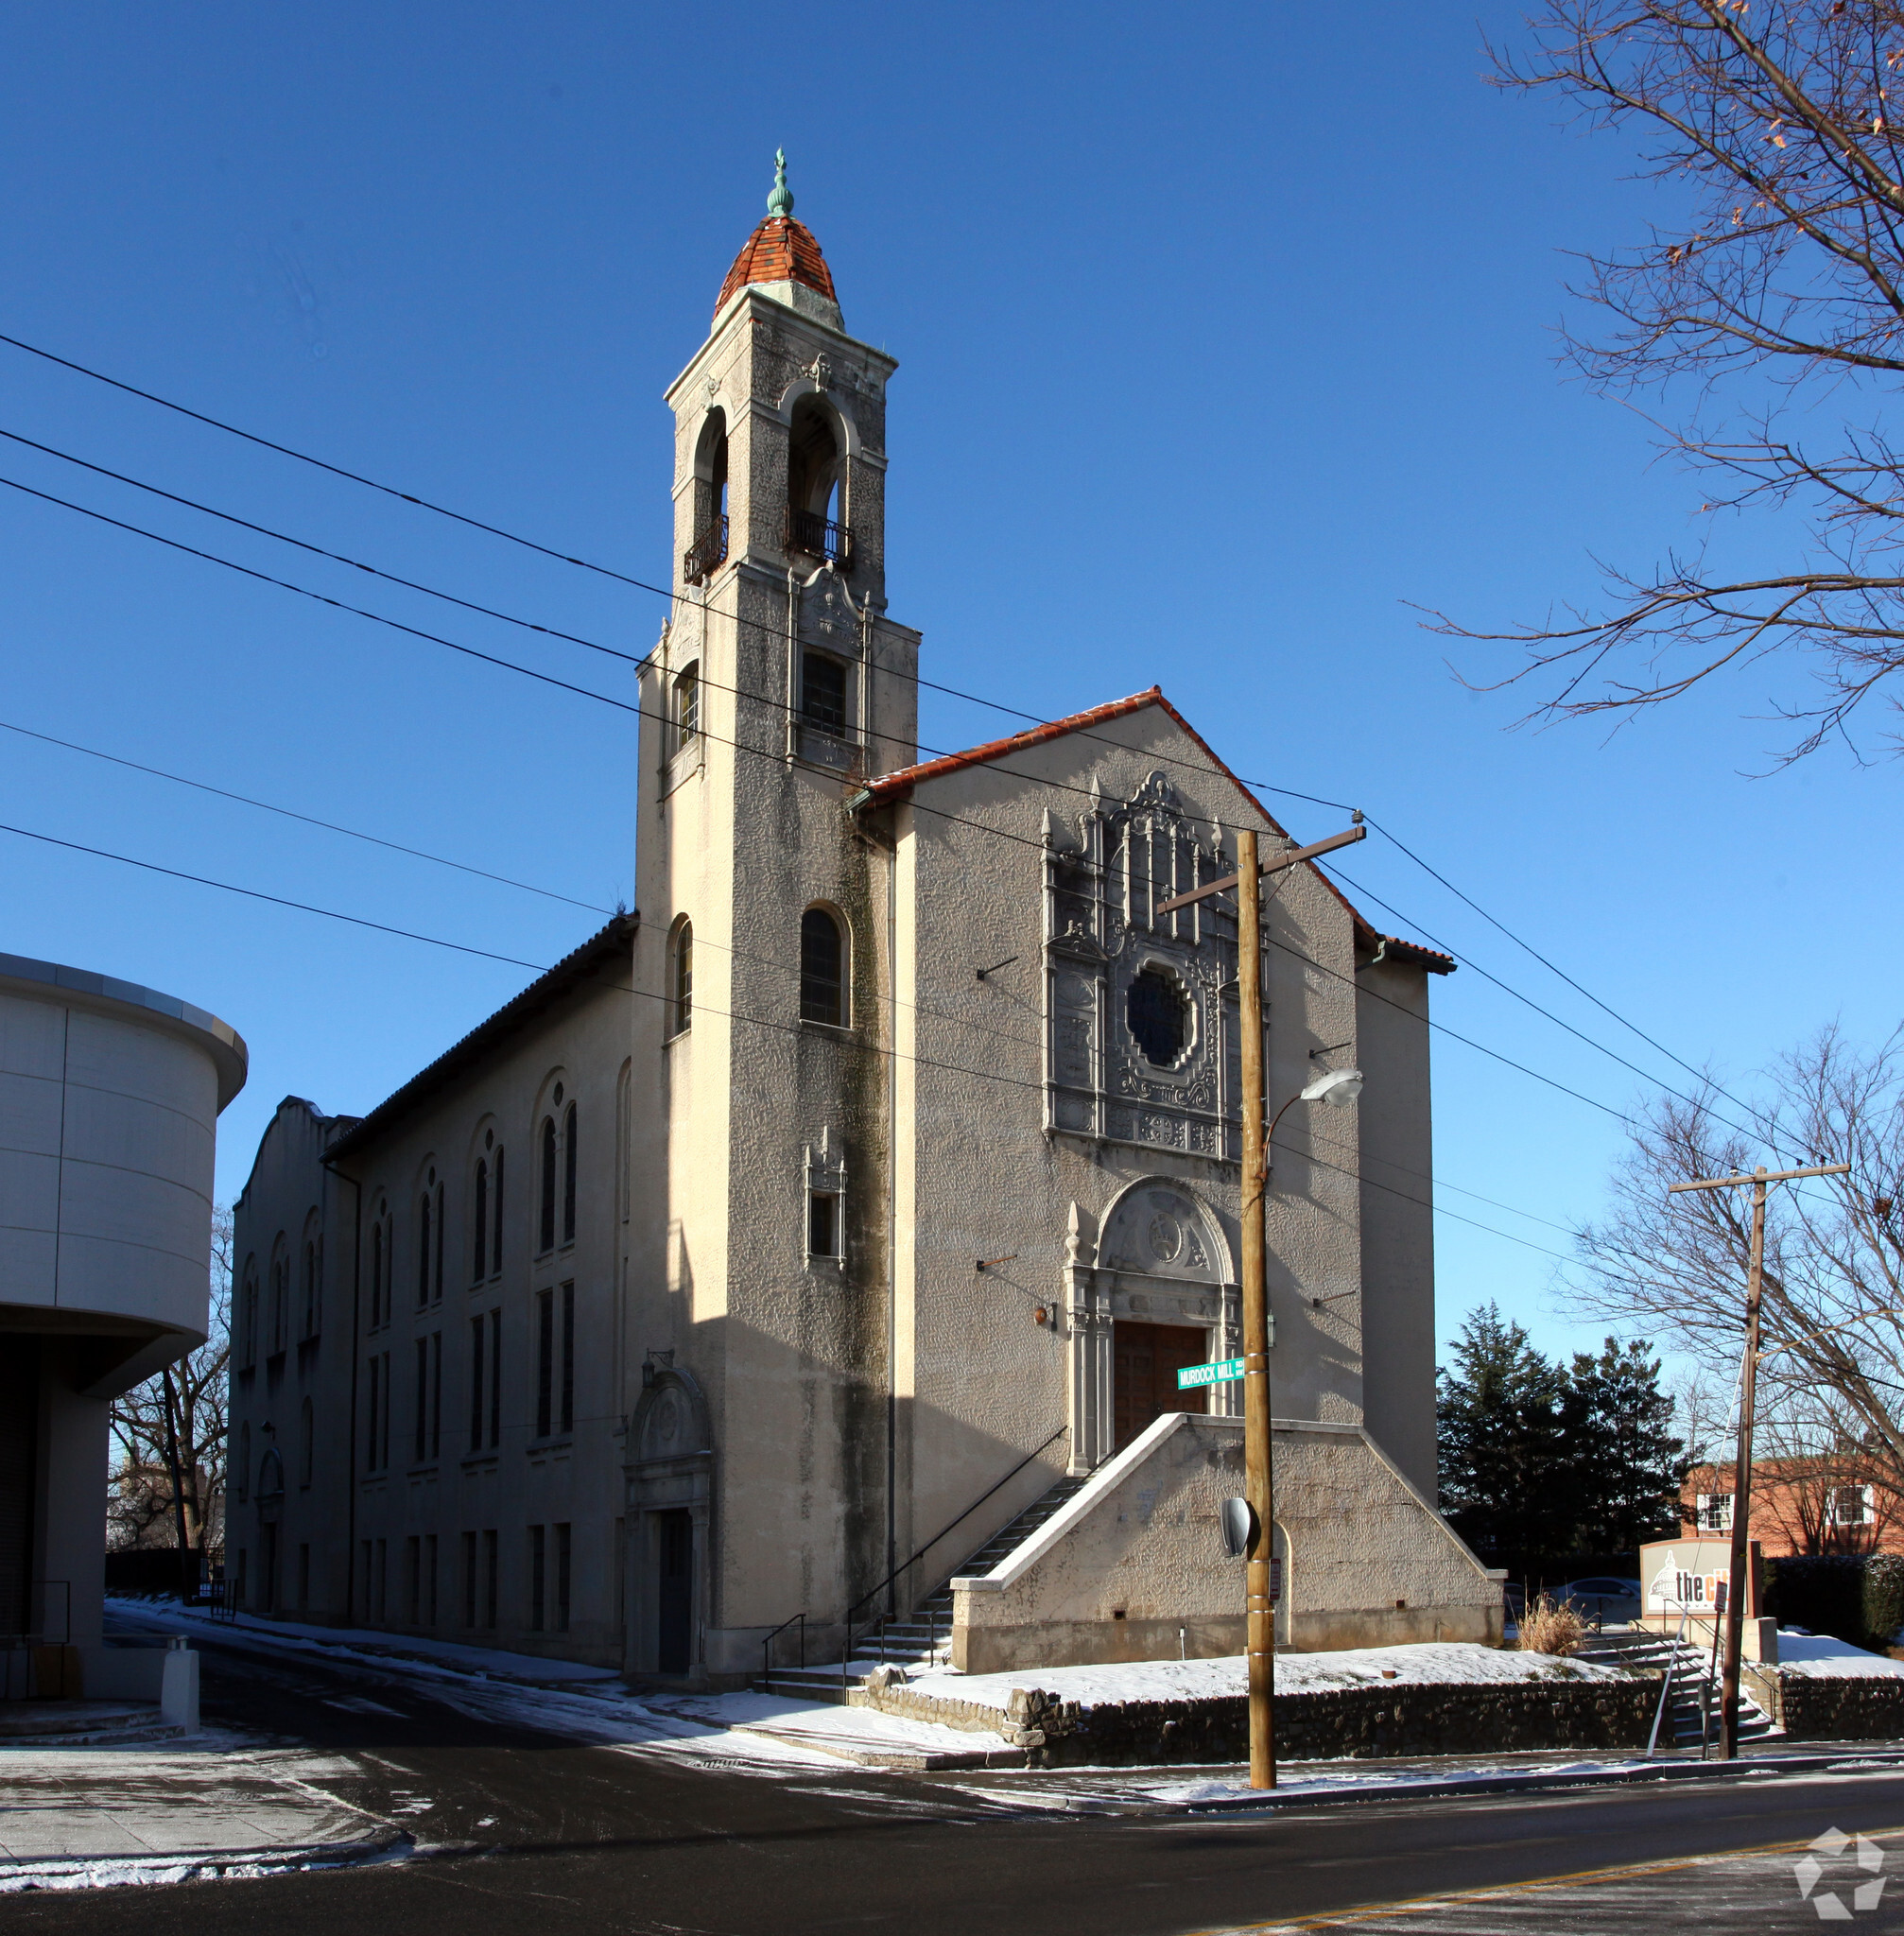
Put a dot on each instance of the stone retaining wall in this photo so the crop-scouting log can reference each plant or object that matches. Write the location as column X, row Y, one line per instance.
column 1835, row 1707
column 1406, row 1718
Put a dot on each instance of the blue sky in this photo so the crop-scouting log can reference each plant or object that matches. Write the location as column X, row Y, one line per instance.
column 1225, row 335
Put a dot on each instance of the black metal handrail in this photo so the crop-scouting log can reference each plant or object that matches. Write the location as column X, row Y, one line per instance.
column 904, row 1564
column 706, row 552
column 767, row 1645
column 814, row 533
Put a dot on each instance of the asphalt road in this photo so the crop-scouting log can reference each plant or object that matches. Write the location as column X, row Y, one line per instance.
column 537, row 1836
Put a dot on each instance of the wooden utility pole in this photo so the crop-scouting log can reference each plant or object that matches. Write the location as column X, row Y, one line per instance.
column 1259, row 1476
column 1736, row 1565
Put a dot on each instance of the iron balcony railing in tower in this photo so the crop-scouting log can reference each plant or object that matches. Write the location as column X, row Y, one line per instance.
column 702, row 559
column 819, row 537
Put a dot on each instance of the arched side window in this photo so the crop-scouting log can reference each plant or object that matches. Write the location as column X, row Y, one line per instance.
column 437, row 1275
column 425, row 1226
column 568, row 1155
column 248, row 1315
column 313, row 1278
column 545, row 1236
column 681, row 977
column 281, row 1295
column 686, row 707
column 623, row 1127
column 244, row 1461
column 823, row 969
column 307, row 1442
column 496, row 1239
column 479, row 1224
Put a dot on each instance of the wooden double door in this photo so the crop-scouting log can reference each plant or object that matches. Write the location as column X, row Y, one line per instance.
column 1146, row 1359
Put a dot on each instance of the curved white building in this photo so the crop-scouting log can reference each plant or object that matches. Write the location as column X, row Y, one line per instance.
column 110, row 1095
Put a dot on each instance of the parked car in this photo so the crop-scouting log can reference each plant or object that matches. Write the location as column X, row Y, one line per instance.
column 1603, row 1597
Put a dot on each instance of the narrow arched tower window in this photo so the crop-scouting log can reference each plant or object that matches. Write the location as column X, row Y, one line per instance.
column 680, row 978
column 687, row 708
column 823, row 969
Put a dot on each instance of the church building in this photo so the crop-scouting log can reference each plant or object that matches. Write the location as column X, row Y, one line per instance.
column 815, row 1252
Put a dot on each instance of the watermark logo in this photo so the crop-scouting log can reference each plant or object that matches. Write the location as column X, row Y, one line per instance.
column 1810, row 1871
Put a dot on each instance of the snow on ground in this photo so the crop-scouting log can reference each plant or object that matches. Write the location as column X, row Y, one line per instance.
column 1819, row 1656
column 1431, row 1664
column 219, row 1804
column 363, row 1641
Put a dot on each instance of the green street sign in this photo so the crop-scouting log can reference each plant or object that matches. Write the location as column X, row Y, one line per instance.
column 1192, row 1377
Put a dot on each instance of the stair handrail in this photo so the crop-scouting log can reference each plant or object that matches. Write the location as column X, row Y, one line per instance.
column 1666, row 1685
column 767, row 1645
column 904, row 1564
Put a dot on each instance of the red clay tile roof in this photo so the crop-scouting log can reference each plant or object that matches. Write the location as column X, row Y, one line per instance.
column 780, row 251
column 890, row 785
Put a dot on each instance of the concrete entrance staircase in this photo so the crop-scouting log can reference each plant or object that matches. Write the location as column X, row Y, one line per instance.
column 923, row 1637
column 1692, row 1707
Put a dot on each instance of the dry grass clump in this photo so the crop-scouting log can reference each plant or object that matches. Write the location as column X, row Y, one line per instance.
column 1552, row 1627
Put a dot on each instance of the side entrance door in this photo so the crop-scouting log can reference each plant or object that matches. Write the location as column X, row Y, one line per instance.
column 674, row 1592
column 1147, row 1360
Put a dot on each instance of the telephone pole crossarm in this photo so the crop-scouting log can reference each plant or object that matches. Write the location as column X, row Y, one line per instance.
column 1274, row 864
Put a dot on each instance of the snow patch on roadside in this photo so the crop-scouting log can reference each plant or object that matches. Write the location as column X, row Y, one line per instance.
column 1429, row 1663
column 1818, row 1656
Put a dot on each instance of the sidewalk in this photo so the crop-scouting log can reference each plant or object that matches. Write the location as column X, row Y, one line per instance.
column 216, row 1805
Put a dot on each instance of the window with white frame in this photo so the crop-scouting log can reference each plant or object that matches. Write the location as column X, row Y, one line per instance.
column 1850, row 1506
column 1715, row 1513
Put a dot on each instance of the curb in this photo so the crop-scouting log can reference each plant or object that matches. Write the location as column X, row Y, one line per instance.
column 1529, row 1782
column 24, row 1875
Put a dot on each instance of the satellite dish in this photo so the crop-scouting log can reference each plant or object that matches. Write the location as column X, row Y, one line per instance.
column 1240, row 1528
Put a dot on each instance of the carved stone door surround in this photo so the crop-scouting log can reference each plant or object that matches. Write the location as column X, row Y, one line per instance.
column 1158, row 1255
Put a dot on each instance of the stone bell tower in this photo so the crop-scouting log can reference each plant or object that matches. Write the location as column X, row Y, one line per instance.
column 778, row 687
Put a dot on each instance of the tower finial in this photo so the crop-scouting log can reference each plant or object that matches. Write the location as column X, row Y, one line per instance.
column 781, row 201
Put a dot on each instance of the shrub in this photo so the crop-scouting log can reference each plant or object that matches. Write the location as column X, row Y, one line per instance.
column 1857, row 1597
column 1550, row 1627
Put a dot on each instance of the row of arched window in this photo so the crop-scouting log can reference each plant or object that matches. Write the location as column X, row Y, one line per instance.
column 264, row 1314
column 559, row 1140
column 823, row 979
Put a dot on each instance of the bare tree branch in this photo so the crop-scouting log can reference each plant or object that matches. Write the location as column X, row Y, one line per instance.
column 140, row 1510
column 1774, row 120
column 1673, row 1269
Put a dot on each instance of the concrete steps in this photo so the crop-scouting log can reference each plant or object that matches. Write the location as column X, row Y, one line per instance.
column 923, row 1637
column 1692, row 1707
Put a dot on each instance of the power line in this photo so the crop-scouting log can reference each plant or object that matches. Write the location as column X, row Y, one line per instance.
column 1554, row 968
column 640, row 711
column 776, row 703
column 497, row 531
column 309, row 819
column 650, row 995
column 667, row 593
column 640, row 584
column 740, row 954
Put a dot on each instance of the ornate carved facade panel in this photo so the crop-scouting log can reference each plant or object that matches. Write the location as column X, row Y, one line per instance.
column 1142, row 1044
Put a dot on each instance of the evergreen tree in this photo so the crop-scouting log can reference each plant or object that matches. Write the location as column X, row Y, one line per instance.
column 1623, row 1466
column 1502, row 1473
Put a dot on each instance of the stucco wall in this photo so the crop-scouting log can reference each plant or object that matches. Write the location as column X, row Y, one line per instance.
column 1138, row 1555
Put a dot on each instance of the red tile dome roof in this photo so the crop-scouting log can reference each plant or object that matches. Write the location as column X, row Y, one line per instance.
column 780, row 251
